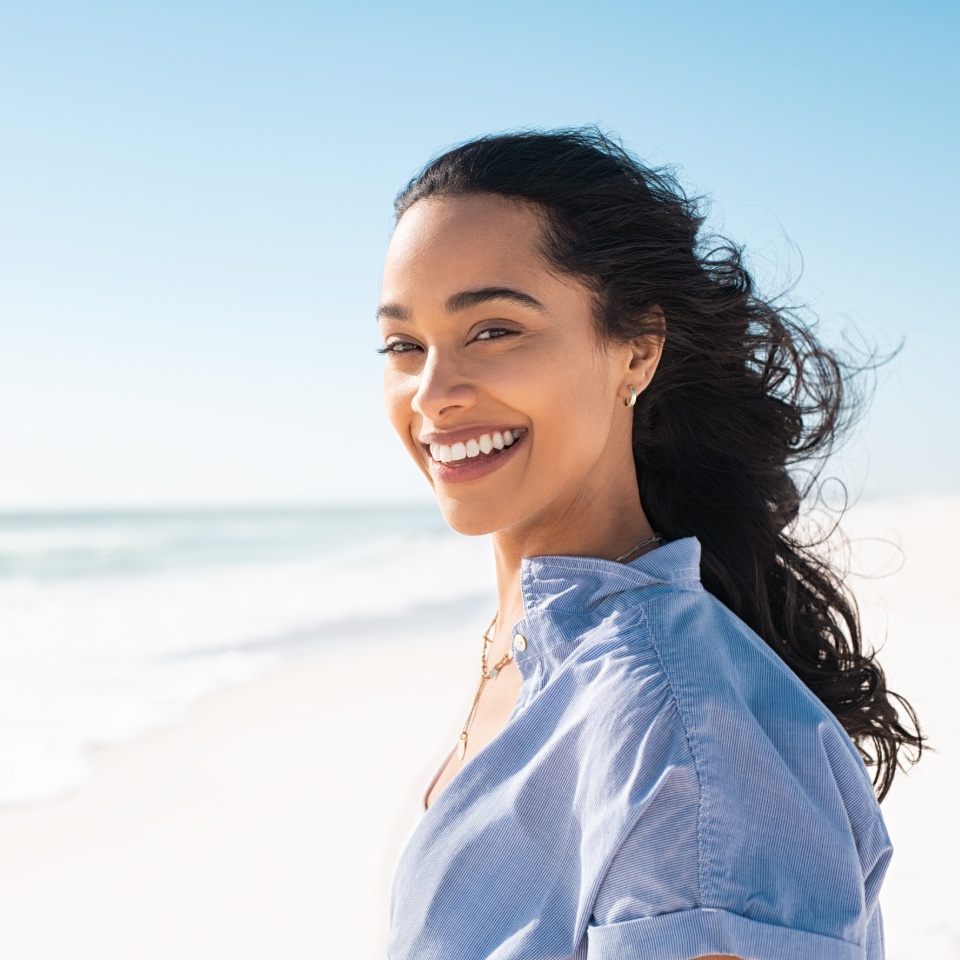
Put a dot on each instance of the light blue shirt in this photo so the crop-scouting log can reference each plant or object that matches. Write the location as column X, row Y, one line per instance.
column 665, row 788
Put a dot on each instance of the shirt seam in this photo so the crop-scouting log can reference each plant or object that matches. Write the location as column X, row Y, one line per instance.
column 703, row 856
column 631, row 824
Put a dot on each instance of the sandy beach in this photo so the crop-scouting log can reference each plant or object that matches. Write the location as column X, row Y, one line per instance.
column 262, row 826
column 267, row 822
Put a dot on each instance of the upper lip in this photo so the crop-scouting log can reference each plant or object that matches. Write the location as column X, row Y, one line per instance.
column 462, row 434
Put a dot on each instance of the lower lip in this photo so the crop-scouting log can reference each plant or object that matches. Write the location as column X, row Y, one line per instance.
column 475, row 467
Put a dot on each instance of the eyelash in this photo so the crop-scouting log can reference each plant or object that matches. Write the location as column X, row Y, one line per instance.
column 389, row 348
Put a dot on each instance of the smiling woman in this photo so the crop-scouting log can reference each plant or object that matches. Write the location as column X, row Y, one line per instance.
column 661, row 756
column 492, row 331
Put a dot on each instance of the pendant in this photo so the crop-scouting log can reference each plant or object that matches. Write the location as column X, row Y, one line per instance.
column 462, row 747
column 492, row 673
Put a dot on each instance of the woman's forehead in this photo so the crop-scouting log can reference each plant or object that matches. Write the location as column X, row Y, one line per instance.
column 476, row 226
column 464, row 242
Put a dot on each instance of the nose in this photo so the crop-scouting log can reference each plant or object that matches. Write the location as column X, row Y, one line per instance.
column 442, row 387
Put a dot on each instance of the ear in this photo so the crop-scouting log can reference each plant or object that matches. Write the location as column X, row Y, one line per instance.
column 644, row 352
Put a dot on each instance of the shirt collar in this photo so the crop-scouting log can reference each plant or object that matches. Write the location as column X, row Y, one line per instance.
column 574, row 584
column 574, row 587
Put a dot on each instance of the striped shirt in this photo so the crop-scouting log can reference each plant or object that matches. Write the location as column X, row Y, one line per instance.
column 665, row 788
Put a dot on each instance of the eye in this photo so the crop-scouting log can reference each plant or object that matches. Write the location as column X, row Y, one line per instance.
column 397, row 346
column 494, row 333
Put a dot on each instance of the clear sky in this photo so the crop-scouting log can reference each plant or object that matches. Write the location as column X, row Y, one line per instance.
column 195, row 198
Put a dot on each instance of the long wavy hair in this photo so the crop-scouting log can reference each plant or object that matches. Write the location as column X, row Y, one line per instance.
column 730, row 435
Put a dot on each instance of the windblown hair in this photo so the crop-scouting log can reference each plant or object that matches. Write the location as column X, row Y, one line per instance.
column 730, row 435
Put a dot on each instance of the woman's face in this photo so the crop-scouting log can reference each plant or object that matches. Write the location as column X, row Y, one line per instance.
column 496, row 381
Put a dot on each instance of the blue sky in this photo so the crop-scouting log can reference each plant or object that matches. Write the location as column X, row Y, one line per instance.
column 195, row 199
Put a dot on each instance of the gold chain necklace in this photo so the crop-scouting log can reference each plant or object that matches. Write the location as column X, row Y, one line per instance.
column 490, row 673
column 486, row 673
column 656, row 538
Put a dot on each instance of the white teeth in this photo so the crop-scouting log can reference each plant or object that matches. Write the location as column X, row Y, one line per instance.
column 448, row 453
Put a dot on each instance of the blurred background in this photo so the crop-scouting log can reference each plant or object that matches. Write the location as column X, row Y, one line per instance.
column 197, row 483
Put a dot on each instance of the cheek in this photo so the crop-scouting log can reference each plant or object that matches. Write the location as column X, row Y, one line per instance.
column 578, row 413
column 398, row 393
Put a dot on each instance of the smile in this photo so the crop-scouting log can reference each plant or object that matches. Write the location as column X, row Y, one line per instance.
column 488, row 444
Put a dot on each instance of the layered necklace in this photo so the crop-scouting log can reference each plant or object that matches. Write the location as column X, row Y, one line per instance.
column 489, row 673
column 486, row 673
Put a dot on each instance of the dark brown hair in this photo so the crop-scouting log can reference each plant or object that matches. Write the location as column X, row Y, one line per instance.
column 729, row 436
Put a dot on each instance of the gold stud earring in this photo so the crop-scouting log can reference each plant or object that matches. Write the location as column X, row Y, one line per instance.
column 632, row 399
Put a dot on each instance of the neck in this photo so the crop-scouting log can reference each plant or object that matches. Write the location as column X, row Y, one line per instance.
column 596, row 530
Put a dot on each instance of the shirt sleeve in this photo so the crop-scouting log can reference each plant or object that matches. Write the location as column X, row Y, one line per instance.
column 757, row 873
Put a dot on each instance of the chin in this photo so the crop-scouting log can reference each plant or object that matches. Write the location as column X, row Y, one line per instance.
column 470, row 518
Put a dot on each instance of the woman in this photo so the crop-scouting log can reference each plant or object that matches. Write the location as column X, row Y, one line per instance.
column 659, row 761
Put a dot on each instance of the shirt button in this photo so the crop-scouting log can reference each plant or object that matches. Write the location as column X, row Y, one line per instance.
column 519, row 643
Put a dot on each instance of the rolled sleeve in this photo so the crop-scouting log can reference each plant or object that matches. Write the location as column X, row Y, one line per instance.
column 687, row 934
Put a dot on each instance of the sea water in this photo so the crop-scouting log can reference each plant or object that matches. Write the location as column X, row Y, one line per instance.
column 113, row 623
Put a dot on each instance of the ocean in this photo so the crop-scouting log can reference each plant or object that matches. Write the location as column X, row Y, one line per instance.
column 112, row 624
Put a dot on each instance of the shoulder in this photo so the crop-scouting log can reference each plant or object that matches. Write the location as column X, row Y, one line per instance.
column 677, row 673
column 749, row 803
column 750, row 721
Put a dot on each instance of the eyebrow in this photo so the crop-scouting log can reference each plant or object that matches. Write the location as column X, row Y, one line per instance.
column 466, row 299
column 472, row 298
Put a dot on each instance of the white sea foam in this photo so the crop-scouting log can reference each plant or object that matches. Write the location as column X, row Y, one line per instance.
column 89, row 658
